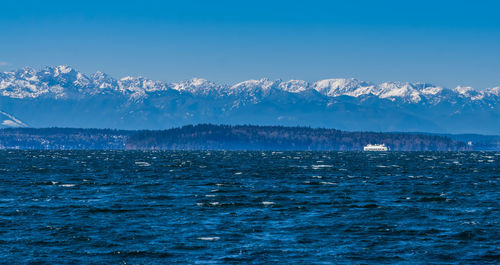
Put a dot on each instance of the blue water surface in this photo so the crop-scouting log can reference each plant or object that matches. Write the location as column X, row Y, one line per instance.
column 134, row 207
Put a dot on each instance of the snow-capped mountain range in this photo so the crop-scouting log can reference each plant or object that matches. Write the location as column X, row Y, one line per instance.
column 63, row 96
column 65, row 82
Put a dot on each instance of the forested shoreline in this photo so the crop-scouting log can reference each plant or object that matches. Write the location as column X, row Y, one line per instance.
column 234, row 137
column 250, row 137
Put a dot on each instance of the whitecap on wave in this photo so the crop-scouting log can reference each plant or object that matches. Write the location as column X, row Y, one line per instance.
column 320, row 166
column 211, row 238
column 328, row 183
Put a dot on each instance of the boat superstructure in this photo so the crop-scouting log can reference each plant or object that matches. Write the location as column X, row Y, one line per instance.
column 375, row 147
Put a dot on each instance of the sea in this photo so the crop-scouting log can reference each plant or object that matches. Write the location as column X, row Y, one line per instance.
column 217, row 207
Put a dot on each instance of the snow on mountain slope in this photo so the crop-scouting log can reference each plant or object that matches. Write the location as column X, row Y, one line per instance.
column 8, row 120
column 253, row 86
column 398, row 90
column 341, row 86
column 199, row 86
column 102, row 81
column 65, row 82
column 294, row 86
column 493, row 91
column 470, row 92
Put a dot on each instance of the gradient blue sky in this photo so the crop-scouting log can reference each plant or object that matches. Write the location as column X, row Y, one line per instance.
column 447, row 43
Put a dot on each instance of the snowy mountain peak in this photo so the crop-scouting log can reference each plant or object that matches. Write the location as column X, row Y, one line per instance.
column 197, row 86
column 429, row 89
column 493, row 91
column 294, row 86
column 253, row 84
column 469, row 92
column 463, row 90
column 63, row 69
column 398, row 90
column 131, row 78
column 139, row 85
column 342, row 86
column 254, row 87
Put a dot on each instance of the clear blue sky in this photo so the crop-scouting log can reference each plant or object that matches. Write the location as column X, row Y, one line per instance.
column 443, row 42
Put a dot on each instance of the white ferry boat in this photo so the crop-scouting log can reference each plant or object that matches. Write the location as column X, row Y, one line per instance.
column 375, row 147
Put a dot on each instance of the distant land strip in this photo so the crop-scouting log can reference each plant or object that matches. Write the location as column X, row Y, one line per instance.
column 236, row 137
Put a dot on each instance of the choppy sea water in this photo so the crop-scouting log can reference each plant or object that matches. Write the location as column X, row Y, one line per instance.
column 132, row 207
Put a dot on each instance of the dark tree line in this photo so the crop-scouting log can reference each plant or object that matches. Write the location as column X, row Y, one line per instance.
column 221, row 137
column 248, row 137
